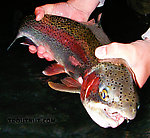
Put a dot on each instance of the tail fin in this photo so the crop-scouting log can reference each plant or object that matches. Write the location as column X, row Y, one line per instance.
column 18, row 36
column 24, row 40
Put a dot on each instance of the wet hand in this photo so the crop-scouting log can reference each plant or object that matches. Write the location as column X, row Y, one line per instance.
column 65, row 9
column 41, row 52
column 136, row 54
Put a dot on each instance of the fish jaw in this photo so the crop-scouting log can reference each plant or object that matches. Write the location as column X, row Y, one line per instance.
column 102, row 115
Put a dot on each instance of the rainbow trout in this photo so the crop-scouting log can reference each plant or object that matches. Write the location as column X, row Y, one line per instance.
column 107, row 87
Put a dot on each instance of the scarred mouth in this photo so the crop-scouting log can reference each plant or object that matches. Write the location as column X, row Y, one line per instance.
column 115, row 116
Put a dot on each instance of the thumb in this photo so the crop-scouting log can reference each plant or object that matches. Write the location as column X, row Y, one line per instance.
column 114, row 50
column 45, row 9
column 39, row 12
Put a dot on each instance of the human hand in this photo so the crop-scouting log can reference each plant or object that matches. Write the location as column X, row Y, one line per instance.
column 73, row 9
column 137, row 55
column 41, row 52
column 65, row 9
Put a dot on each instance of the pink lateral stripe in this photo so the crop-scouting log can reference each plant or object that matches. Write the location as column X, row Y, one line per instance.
column 65, row 39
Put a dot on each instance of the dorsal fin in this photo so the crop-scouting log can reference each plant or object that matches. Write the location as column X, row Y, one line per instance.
column 99, row 33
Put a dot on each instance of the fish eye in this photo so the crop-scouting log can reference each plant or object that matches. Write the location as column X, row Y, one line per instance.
column 103, row 94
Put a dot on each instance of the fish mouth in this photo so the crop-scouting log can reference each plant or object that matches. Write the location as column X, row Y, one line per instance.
column 116, row 117
column 104, row 115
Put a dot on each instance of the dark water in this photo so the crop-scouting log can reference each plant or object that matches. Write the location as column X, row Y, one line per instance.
column 28, row 107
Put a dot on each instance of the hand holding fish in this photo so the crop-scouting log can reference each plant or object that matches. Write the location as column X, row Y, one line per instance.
column 135, row 53
column 73, row 9
column 132, row 53
column 77, row 10
column 107, row 88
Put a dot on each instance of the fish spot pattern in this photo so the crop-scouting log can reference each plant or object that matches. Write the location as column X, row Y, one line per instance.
column 120, row 83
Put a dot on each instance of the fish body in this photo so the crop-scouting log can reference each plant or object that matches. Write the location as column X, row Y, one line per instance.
column 71, row 48
column 107, row 87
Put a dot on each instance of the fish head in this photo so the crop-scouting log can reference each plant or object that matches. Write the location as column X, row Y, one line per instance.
column 109, row 94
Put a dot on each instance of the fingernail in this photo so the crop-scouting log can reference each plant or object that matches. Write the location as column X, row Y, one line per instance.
column 32, row 49
column 100, row 52
column 37, row 17
column 48, row 57
column 40, row 55
column 41, row 49
column 37, row 13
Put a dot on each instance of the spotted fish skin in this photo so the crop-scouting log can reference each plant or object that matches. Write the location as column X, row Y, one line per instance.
column 121, row 91
column 57, row 35
column 108, row 90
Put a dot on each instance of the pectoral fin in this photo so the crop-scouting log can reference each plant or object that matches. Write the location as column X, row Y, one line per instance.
column 54, row 69
column 70, row 82
column 63, row 88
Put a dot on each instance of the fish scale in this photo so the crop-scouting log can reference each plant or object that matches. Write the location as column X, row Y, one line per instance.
column 107, row 87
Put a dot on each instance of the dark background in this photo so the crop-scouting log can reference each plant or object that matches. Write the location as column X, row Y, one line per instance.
column 24, row 91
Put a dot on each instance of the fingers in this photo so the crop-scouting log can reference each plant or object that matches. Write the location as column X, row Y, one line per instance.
column 114, row 50
column 32, row 49
column 99, row 17
column 39, row 12
column 127, row 52
column 48, row 57
column 40, row 51
column 45, row 9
